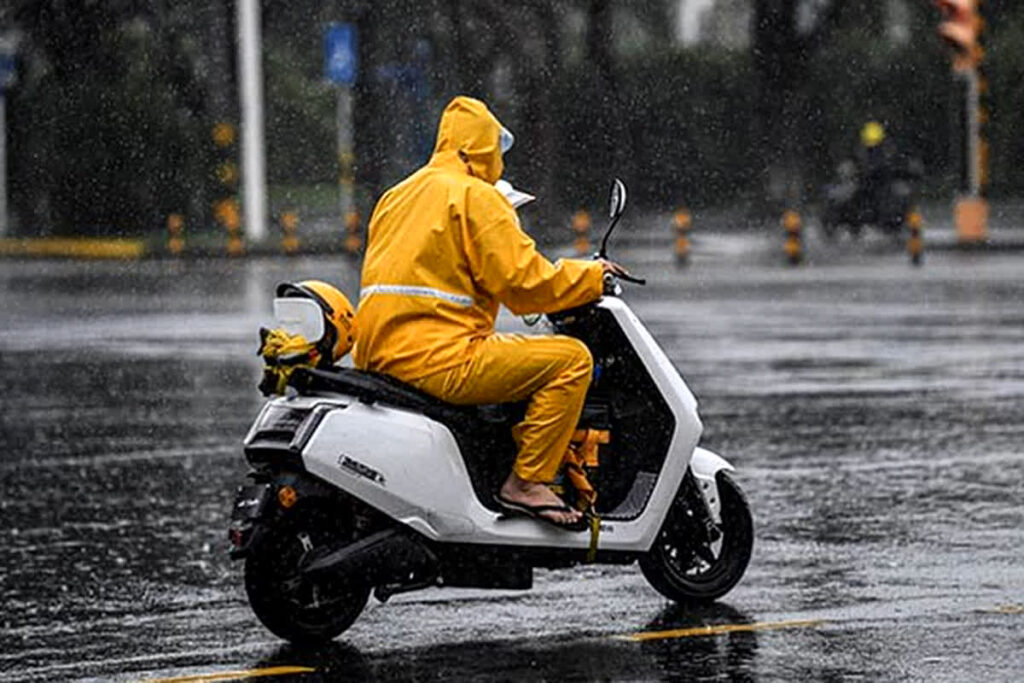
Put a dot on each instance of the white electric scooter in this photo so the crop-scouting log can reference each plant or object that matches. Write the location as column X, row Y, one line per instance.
column 362, row 484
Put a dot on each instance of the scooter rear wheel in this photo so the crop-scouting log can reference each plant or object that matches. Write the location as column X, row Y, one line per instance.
column 680, row 570
column 298, row 610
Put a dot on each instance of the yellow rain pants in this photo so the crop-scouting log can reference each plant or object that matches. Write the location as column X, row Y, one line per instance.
column 552, row 371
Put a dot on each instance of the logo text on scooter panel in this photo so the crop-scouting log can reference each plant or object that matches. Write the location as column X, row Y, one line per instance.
column 357, row 468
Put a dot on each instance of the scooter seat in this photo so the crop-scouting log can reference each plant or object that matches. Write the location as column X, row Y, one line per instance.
column 374, row 387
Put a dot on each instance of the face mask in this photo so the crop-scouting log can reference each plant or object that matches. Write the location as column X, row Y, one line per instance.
column 505, row 139
column 515, row 197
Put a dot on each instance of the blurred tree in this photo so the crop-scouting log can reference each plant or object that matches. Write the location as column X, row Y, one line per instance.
column 110, row 125
column 786, row 35
column 107, row 132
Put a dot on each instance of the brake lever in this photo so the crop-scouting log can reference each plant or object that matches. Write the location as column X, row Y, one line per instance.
column 630, row 278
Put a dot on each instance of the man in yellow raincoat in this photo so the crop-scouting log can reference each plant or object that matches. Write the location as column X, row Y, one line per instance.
column 445, row 248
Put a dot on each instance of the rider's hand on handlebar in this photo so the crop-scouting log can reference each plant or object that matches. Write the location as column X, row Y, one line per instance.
column 613, row 268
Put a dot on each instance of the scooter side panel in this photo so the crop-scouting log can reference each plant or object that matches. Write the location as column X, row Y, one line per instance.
column 409, row 467
column 400, row 462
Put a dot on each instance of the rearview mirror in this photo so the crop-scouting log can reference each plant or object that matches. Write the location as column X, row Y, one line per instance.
column 617, row 203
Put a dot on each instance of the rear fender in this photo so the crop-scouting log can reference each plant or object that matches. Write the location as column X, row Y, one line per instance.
column 258, row 506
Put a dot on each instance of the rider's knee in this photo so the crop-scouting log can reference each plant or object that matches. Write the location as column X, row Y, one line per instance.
column 580, row 362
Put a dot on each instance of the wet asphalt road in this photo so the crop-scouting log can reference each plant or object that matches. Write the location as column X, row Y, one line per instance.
column 875, row 413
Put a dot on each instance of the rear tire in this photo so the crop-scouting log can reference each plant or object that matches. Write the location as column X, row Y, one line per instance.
column 678, row 572
column 301, row 611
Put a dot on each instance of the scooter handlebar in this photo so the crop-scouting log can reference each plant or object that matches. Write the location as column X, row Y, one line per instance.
column 634, row 280
column 612, row 286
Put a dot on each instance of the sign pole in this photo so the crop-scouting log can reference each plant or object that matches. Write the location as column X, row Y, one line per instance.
column 346, row 156
column 3, row 164
column 341, row 64
column 8, row 77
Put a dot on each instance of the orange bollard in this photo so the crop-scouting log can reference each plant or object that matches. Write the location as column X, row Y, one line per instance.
column 289, row 224
column 793, row 247
column 682, row 222
column 581, row 226
column 175, row 234
column 915, row 242
column 227, row 214
column 353, row 240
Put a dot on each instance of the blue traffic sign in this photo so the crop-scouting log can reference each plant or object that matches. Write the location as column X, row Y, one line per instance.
column 8, row 71
column 341, row 61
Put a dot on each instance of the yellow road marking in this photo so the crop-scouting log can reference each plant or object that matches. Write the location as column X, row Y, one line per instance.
column 1006, row 609
column 74, row 247
column 720, row 628
column 236, row 675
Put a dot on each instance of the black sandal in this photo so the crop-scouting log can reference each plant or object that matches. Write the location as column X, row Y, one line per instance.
column 534, row 512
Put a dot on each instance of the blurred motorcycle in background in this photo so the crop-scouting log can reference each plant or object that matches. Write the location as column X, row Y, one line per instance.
column 880, row 198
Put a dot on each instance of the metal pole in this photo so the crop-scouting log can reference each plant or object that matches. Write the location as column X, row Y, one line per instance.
column 973, row 133
column 970, row 211
column 3, row 164
column 251, row 90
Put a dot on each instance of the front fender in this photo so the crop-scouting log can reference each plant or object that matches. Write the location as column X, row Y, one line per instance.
column 705, row 465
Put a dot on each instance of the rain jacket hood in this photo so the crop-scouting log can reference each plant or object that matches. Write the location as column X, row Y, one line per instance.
column 468, row 126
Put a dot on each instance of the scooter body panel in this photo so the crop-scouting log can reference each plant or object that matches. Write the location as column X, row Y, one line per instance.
column 409, row 466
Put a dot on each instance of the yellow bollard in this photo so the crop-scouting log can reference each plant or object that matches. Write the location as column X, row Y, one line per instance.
column 227, row 214
column 581, row 226
column 289, row 224
column 175, row 234
column 793, row 246
column 353, row 240
column 915, row 243
column 683, row 222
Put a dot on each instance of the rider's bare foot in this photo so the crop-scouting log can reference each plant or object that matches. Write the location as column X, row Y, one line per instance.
column 518, row 490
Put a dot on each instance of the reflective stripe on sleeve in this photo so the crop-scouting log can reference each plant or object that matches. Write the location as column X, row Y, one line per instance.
column 412, row 290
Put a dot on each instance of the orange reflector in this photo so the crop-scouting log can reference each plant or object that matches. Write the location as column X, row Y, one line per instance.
column 287, row 496
column 581, row 221
column 791, row 221
column 682, row 220
column 914, row 220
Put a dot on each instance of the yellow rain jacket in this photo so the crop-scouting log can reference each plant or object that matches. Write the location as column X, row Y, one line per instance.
column 445, row 249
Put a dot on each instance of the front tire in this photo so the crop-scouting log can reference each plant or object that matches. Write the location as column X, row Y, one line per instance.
column 678, row 569
column 295, row 609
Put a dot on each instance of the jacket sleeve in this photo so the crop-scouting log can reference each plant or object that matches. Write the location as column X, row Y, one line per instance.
column 506, row 264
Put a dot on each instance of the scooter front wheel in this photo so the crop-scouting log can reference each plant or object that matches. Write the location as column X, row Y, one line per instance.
column 293, row 608
column 682, row 568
